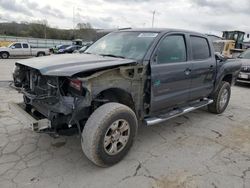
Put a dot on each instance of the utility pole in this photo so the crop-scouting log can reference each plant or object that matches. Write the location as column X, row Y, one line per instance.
column 44, row 22
column 74, row 22
column 45, row 30
column 153, row 19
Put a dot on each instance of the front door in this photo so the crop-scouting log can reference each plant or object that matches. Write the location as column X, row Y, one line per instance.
column 170, row 73
column 16, row 49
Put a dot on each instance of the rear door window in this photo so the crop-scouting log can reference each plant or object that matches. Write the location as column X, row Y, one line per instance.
column 25, row 45
column 200, row 48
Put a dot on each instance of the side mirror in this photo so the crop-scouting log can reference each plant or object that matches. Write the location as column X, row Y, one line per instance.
column 12, row 47
column 248, row 35
column 219, row 57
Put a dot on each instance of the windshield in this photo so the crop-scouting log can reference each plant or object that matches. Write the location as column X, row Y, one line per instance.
column 245, row 55
column 10, row 45
column 131, row 45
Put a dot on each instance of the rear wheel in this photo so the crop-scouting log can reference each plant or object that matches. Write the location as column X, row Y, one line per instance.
column 5, row 55
column 109, row 133
column 221, row 98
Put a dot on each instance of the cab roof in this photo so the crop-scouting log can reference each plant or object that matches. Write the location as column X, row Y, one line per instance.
column 160, row 30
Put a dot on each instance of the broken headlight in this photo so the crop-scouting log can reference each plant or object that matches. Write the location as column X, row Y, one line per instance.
column 18, row 76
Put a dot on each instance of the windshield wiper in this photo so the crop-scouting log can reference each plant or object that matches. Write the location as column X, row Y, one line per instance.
column 111, row 55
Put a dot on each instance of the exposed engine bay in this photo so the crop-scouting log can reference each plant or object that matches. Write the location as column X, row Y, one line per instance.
column 53, row 97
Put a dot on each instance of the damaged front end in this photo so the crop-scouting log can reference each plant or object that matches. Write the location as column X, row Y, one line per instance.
column 58, row 99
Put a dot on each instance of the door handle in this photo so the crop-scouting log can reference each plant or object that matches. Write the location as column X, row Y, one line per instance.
column 211, row 67
column 187, row 71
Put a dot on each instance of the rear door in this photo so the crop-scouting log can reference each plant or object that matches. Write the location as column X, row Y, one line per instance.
column 26, row 49
column 203, row 71
column 170, row 73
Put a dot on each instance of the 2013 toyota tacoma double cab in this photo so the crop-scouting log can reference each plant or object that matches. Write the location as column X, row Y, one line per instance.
column 127, row 78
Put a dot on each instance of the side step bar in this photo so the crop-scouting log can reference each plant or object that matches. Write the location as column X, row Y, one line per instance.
column 164, row 117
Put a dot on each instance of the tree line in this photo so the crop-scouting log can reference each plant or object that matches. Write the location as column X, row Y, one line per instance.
column 41, row 29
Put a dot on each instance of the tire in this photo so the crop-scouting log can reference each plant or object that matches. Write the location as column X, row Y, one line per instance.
column 221, row 98
column 5, row 55
column 101, row 126
column 40, row 54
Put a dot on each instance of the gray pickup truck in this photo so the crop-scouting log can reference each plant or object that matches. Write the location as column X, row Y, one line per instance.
column 127, row 78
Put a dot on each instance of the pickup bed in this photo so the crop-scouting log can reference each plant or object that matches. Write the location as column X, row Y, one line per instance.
column 127, row 78
column 21, row 49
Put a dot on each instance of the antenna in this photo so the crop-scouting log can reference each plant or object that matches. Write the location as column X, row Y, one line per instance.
column 153, row 19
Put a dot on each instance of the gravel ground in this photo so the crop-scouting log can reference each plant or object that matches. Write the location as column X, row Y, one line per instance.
column 198, row 149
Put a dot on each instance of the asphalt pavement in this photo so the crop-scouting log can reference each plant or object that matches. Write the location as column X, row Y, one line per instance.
column 6, row 68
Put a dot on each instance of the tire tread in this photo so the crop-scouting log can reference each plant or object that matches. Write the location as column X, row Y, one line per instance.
column 93, row 129
column 214, row 107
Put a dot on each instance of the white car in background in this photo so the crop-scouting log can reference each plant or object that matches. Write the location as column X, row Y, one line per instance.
column 244, row 75
column 22, row 49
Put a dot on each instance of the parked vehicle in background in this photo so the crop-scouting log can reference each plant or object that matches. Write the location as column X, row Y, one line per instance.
column 61, row 49
column 77, row 42
column 232, row 44
column 247, row 45
column 125, row 79
column 58, row 48
column 80, row 42
column 244, row 75
column 21, row 49
column 82, row 49
column 69, row 49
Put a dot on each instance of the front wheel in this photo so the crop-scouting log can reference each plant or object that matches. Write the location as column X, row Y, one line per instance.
column 109, row 133
column 4, row 55
column 221, row 98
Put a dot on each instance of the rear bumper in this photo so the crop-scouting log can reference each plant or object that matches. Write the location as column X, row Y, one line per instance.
column 244, row 77
column 28, row 119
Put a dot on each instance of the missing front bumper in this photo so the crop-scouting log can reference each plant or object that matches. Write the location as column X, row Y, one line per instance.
column 26, row 118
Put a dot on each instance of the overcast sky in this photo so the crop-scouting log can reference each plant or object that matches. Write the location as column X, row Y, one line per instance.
column 209, row 16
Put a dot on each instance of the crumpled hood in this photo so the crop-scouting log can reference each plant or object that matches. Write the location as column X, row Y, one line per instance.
column 70, row 64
